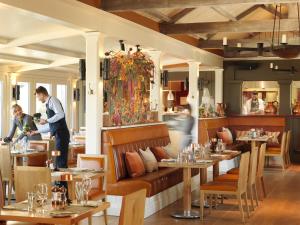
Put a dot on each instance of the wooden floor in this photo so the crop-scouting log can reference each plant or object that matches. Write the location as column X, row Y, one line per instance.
column 281, row 207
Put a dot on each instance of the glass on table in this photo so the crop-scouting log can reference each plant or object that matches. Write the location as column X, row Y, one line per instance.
column 31, row 201
column 87, row 186
column 42, row 194
column 79, row 192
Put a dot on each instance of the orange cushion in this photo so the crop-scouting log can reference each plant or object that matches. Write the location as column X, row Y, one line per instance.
column 159, row 153
column 233, row 171
column 227, row 178
column 224, row 135
column 134, row 164
column 219, row 186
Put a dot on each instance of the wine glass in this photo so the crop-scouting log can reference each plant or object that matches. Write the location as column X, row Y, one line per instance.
column 42, row 194
column 87, row 186
column 79, row 192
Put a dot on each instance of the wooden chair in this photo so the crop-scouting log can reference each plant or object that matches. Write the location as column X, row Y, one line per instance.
column 133, row 208
column 287, row 149
column 6, row 165
column 39, row 160
column 278, row 152
column 97, row 162
column 239, row 188
column 27, row 177
column 2, row 196
column 260, row 168
column 252, row 177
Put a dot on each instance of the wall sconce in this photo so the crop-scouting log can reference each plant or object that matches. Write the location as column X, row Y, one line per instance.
column 165, row 78
column 76, row 94
column 16, row 92
column 105, row 68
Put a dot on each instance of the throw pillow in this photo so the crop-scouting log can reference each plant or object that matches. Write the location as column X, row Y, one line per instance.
column 159, row 153
column 170, row 151
column 149, row 160
column 274, row 137
column 225, row 137
column 229, row 133
column 134, row 164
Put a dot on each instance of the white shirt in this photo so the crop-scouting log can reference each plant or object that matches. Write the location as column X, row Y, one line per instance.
column 55, row 105
column 247, row 106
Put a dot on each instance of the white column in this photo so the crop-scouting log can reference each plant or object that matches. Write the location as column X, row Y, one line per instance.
column 193, row 97
column 156, row 88
column 94, row 93
column 219, row 86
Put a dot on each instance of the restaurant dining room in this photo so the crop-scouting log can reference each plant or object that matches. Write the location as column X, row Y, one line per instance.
column 137, row 112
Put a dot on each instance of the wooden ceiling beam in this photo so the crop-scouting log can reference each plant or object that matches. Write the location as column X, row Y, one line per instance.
column 271, row 10
column 180, row 15
column 125, row 5
column 224, row 13
column 228, row 27
column 156, row 14
column 248, row 12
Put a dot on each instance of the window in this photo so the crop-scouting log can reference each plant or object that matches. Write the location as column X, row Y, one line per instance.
column 61, row 94
column 24, row 96
column 41, row 107
column 1, row 104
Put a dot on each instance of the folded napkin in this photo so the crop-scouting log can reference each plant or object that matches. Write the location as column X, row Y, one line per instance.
column 12, row 207
column 168, row 160
column 217, row 155
column 61, row 213
column 89, row 204
column 230, row 151
column 204, row 161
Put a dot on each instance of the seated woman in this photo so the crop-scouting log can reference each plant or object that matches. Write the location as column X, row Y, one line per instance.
column 25, row 123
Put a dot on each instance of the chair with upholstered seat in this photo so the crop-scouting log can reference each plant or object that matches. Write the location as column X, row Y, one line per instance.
column 239, row 188
column 96, row 162
column 278, row 152
column 6, row 166
column 26, row 177
column 251, row 180
column 260, row 168
column 38, row 160
column 133, row 208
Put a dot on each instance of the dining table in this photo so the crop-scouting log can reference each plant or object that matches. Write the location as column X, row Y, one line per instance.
column 210, row 159
column 254, row 140
column 71, row 215
column 73, row 175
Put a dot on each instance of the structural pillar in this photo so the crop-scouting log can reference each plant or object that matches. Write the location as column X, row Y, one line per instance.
column 94, row 93
column 219, row 86
column 193, row 97
column 156, row 87
column 285, row 97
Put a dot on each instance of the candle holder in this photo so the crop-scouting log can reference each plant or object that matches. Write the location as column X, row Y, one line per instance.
column 55, row 154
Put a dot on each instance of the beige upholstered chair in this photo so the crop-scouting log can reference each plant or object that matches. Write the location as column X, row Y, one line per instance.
column 133, row 208
column 287, row 149
column 97, row 162
column 278, row 152
column 252, row 177
column 26, row 177
column 6, row 165
column 239, row 188
column 2, row 197
column 260, row 168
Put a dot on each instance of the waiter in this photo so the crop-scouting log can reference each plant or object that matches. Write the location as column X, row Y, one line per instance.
column 57, row 125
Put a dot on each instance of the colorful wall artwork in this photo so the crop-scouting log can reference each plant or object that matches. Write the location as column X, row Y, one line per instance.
column 127, row 90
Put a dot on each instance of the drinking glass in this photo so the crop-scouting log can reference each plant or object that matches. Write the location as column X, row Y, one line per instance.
column 87, row 186
column 30, row 200
column 42, row 194
column 79, row 192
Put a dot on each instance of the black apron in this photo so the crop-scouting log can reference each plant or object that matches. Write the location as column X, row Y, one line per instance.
column 60, row 130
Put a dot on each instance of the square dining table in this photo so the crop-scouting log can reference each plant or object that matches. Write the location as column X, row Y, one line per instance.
column 209, row 160
column 18, row 212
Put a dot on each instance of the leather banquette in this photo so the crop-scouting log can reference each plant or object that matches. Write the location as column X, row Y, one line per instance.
column 118, row 141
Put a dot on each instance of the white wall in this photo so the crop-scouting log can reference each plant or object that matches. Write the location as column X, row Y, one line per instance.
column 43, row 76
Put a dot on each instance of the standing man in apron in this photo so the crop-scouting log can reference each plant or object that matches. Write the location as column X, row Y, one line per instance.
column 57, row 125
